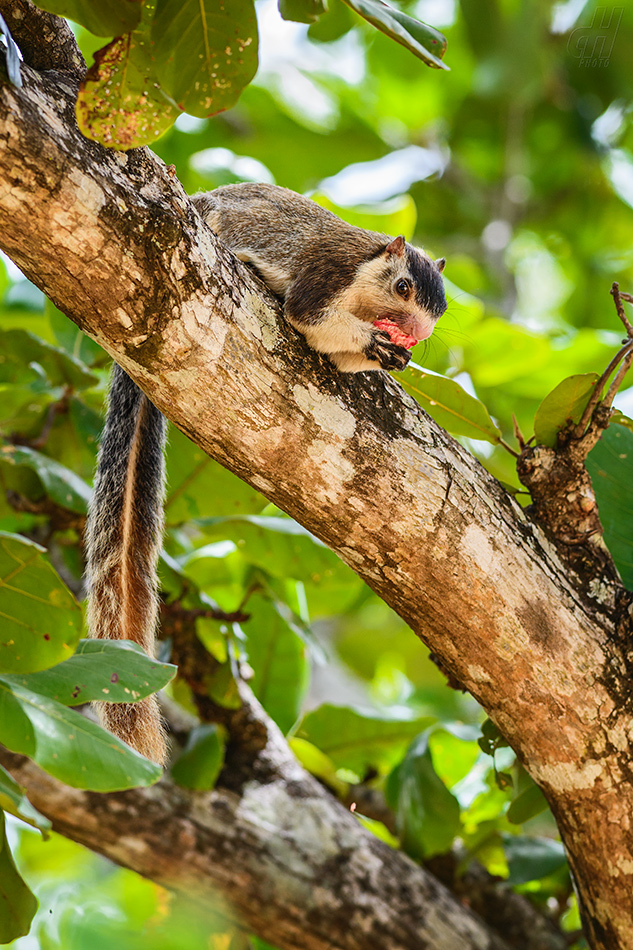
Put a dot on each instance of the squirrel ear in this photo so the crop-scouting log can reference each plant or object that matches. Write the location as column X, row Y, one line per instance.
column 396, row 246
column 440, row 264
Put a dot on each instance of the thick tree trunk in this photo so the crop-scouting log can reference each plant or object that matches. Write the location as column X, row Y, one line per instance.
column 114, row 242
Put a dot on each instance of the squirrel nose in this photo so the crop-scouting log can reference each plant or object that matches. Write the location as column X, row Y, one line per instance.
column 419, row 327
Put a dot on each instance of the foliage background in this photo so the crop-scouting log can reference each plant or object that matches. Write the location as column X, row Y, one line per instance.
column 518, row 167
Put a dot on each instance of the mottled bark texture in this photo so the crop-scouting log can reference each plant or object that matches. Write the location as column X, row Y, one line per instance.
column 114, row 242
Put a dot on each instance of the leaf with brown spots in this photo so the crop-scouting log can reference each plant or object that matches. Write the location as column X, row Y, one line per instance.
column 120, row 102
column 206, row 52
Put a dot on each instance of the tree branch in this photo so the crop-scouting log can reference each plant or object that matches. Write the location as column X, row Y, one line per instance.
column 114, row 242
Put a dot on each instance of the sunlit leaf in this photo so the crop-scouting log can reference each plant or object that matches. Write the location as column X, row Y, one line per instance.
column 69, row 746
column 565, row 403
column 115, row 672
column 25, row 357
column 422, row 40
column 13, row 800
column 205, row 52
column 104, row 18
column 449, row 404
column 40, row 619
column 16, row 900
column 361, row 739
column 317, row 763
column 120, row 102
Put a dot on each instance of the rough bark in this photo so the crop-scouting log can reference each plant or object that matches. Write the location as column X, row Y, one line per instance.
column 274, row 853
column 116, row 245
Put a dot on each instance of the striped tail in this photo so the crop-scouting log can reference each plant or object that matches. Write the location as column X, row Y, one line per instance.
column 123, row 541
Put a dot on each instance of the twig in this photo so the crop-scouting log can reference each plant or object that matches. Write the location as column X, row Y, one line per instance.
column 618, row 297
column 623, row 353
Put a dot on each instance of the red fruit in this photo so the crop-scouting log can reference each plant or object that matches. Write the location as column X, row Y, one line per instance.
column 395, row 333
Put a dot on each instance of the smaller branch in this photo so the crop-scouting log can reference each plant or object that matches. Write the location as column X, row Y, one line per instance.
column 618, row 379
column 509, row 448
column 618, row 297
column 622, row 353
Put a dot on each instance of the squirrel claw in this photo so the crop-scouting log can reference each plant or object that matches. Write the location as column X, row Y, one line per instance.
column 388, row 354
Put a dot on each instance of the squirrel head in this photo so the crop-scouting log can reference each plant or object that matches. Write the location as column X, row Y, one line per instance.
column 402, row 284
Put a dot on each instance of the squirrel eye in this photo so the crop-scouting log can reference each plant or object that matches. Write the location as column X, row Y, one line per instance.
column 402, row 287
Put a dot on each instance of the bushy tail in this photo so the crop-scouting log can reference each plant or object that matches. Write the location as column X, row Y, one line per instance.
column 123, row 541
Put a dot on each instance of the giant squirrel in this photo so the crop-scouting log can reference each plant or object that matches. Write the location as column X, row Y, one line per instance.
column 336, row 281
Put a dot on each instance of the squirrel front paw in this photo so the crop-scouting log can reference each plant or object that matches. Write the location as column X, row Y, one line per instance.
column 388, row 354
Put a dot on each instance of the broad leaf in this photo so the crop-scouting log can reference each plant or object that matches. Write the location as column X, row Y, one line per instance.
column 361, row 739
column 278, row 659
column 202, row 758
column 427, row 814
column 280, row 546
column 16, row 900
column 530, row 859
column 422, row 40
column 302, row 11
column 566, row 403
column 13, row 799
column 26, row 358
column 526, row 805
column 11, row 54
column 66, row 744
column 610, row 464
column 120, row 103
column 41, row 620
column 199, row 487
column 317, row 763
column 115, row 672
column 206, row 52
column 60, row 484
column 103, row 18
column 449, row 404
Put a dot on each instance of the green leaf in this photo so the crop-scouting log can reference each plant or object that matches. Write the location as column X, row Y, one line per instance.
column 13, row 799
column 40, row 619
column 103, row 18
column 427, row 814
column 318, row 764
column 422, row 40
column 26, row 358
column 67, row 745
column 360, row 739
column 302, row 11
column 120, row 102
column 280, row 546
column 205, row 52
column 199, row 487
column 60, row 484
column 565, row 403
column 223, row 688
column 610, row 465
column 114, row 672
column 526, row 805
column 449, row 404
column 202, row 758
column 278, row 659
column 18, row 903
column 530, row 859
